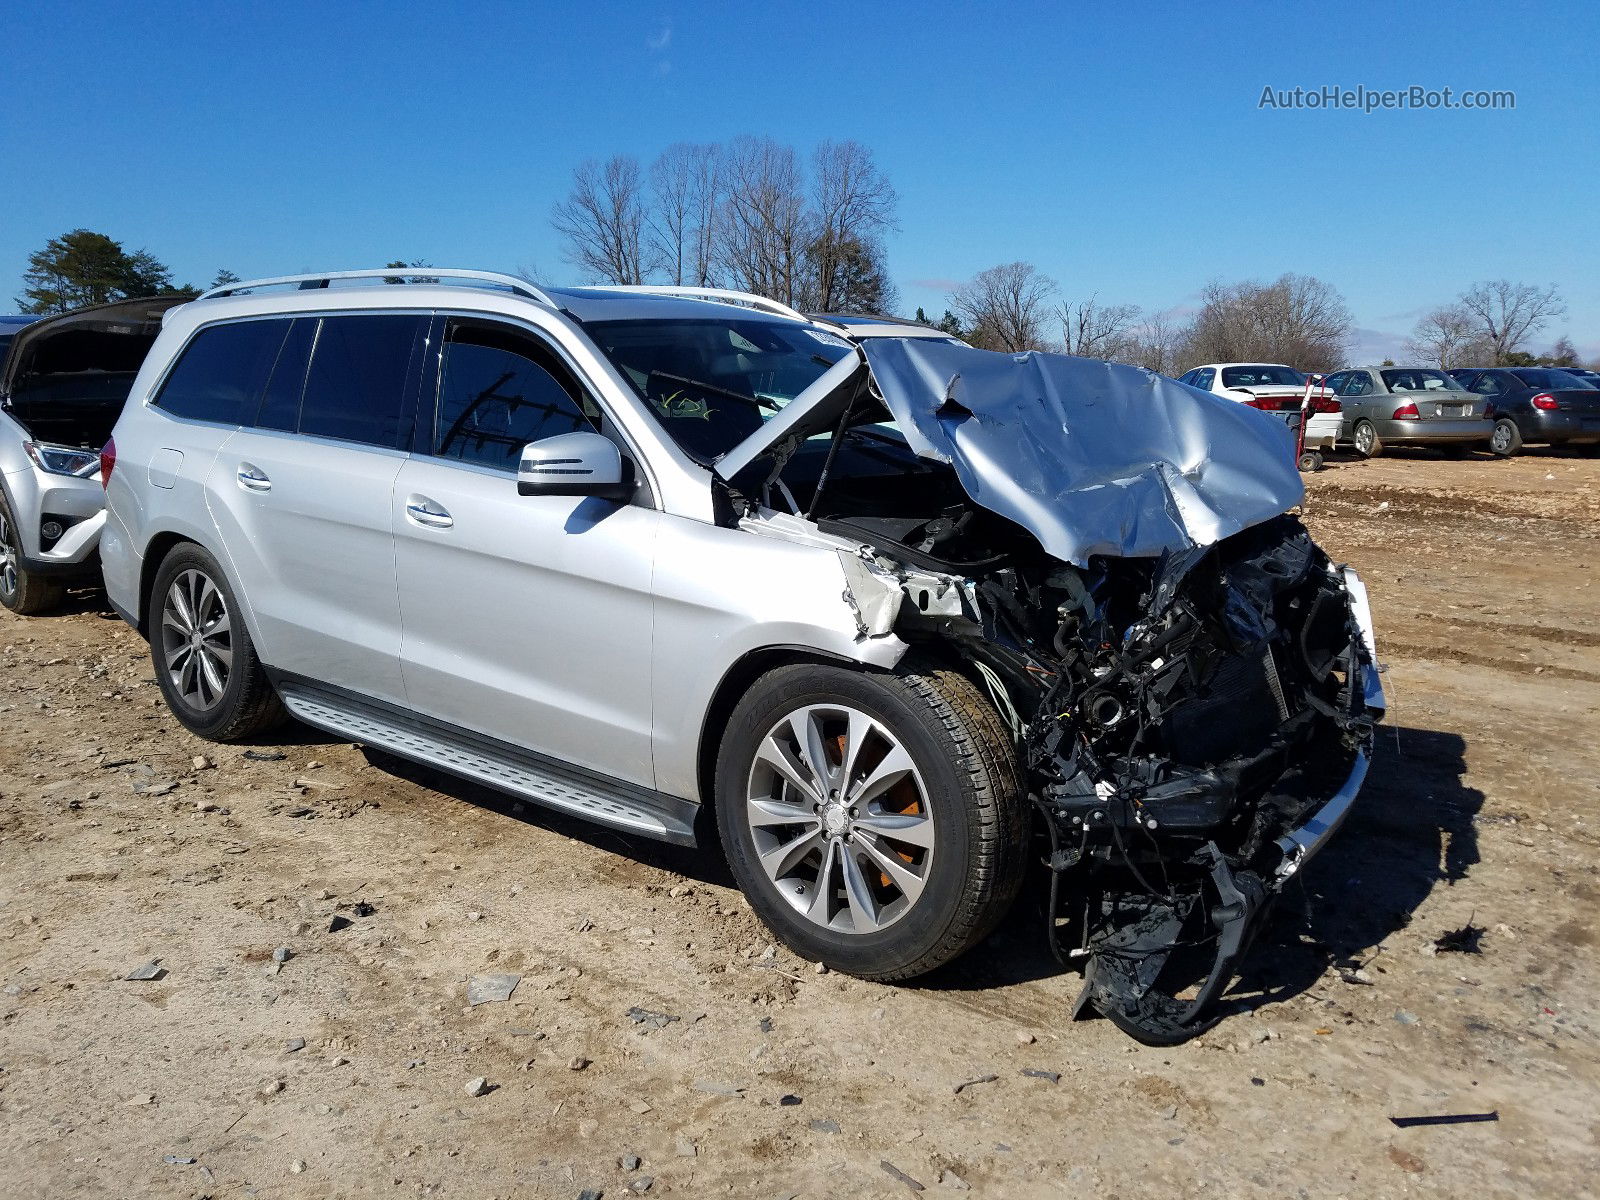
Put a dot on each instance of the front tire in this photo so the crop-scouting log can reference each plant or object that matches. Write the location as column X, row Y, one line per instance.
column 204, row 660
column 23, row 592
column 1506, row 439
column 1366, row 440
column 875, row 822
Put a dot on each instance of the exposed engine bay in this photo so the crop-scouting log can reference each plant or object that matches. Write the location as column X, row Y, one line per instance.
column 1192, row 723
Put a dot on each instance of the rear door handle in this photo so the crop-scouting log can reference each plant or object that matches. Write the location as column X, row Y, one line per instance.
column 253, row 478
column 428, row 512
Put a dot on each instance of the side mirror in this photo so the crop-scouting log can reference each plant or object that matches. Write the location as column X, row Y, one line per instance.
column 575, row 464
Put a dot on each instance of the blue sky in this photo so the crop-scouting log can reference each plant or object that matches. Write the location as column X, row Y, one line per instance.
column 1117, row 146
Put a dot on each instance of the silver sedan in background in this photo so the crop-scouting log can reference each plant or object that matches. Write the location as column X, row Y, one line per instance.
column 1409, row 406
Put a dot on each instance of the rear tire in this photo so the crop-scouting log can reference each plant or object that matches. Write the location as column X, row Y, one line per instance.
column 204, row 660
column 907, row 844
column 1366, row 441
column 21, row 590
column 1506, row 438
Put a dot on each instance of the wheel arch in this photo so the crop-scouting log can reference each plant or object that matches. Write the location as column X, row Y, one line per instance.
column 731, row 688
column 157, row 550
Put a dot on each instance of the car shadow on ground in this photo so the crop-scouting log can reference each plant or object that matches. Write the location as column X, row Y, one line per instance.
column 704, row 865
column 1411, row 831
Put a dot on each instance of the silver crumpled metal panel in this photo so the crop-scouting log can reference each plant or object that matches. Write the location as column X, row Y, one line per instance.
column 1091, row 457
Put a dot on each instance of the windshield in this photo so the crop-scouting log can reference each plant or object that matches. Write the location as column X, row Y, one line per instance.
column 713, row 382
column 1417, row 379
column 1262, row 376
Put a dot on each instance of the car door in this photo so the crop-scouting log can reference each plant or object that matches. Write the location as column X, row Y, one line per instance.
column 302, row 498
column 526, row 618
column 1356, row 395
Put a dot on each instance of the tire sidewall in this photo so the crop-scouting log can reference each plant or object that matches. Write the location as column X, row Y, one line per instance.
column 204, row 723
column 886, row 700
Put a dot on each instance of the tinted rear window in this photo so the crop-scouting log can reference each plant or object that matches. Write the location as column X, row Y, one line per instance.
column 1554, row 380
column 1416, row 379
column 221, row 373
column 1262, row 376
column 357, row 387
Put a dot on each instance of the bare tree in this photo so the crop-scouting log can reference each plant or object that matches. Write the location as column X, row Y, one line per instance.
column 1449, row 337
column 603, row 220
column 853, row 206
column 764, row 226
column 1297, row 319
column 1155, row 344
column 1090, row 329
column 685, row 185
column 1507, row 312
column 1005, row 307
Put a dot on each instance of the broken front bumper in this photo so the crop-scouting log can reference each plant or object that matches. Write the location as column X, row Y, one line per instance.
column 1121, row 979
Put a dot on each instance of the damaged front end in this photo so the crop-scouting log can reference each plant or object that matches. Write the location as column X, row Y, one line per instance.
column 1193, row 728
column 1190, row 681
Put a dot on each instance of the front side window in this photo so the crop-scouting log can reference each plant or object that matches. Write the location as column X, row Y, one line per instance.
column 1262, row 376
column 221, row 374
column 499, row 389
column 357, row 386
column 713, row 382
column 1359, row 384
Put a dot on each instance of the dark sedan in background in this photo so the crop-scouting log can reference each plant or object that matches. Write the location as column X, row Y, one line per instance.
column 1536, row 405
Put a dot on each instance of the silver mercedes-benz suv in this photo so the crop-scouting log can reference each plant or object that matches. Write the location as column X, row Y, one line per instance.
column 892, row 616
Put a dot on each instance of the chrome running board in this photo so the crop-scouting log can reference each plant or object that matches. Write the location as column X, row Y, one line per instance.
column 522, row 773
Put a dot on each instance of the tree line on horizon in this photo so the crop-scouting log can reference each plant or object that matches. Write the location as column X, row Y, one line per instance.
column 811, row 233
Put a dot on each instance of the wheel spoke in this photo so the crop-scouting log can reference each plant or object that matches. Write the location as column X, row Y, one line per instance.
column 776, row 812
column 214, row 677
column 896, row 765
column 858, row 893
column 779, row 757
column 786, row 856
column 913, row 829
column 179, row 604
column 900, row 872
column 808, row 736
column 857, row 728
column 821, row 908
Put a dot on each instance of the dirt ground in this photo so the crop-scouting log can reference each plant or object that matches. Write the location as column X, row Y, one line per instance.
column 760, row 1077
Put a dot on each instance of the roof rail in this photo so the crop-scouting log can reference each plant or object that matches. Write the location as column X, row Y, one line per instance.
column 720, row 295
column 441, row 275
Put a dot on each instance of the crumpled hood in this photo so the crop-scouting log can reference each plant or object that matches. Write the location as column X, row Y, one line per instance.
column 1090, row 457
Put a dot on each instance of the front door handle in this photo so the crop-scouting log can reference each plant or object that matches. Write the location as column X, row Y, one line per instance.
column 253, row 478
column 428, row 512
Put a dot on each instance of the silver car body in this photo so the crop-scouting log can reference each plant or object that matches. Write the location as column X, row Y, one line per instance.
column 1446, row 413
column 393, row 573
column 585, row 642
column 338, row 581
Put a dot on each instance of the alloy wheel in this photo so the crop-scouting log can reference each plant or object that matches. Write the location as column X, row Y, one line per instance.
column 1500, row 439
column 197, row 639
column 840, row 818
column 1364, row 439
column 8, row 558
